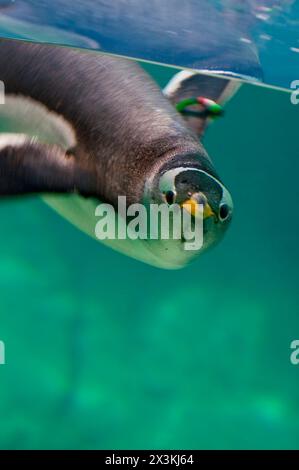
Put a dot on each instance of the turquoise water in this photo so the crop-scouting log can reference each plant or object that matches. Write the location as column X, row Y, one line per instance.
column 106, row 352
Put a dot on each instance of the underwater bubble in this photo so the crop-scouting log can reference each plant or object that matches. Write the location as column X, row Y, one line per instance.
column 246, row 40
column 264, row 8
column 262, row 16
column 265, row 37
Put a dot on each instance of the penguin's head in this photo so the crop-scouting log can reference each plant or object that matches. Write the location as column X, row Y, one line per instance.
column 190, row 187
column 199, row 193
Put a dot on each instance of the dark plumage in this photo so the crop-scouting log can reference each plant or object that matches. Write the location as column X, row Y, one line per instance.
column 125, row 128
column 98, row 126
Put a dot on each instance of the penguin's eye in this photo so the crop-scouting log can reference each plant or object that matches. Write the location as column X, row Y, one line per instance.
column 170, row 197
column 224, row 212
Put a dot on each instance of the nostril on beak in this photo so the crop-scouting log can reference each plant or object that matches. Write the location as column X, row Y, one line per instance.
column 224, row 212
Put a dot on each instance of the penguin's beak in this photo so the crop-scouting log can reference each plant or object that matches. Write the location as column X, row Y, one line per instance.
column 194, row 208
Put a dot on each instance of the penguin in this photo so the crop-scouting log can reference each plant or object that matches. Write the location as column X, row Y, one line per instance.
column 79, row 127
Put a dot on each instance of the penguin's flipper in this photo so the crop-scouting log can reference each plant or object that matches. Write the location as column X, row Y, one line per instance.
column 36, row 151
column 189, row 84
column 28, row 166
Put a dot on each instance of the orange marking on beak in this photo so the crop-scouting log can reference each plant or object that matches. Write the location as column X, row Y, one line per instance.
column 193, row 207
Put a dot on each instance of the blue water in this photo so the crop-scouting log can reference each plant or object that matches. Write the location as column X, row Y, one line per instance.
column 255, row 38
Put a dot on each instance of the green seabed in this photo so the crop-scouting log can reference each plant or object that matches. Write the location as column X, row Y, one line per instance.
column 106, row 352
